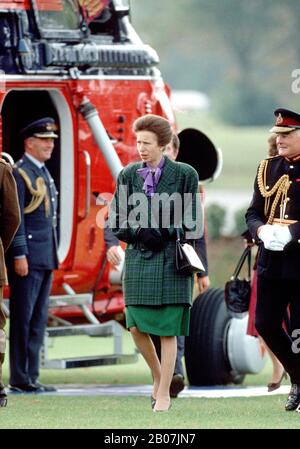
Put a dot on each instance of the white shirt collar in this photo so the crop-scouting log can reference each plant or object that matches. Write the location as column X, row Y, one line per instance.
column 35, row 161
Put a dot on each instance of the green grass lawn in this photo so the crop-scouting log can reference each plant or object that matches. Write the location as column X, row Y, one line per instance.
column 112, row 412
column 42, row 412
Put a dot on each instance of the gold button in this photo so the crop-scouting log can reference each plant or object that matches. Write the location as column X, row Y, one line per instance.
column 299, row 241
column 286, row 216
column 288, row 199
column 291, row 166
column 267, row 187
column 291, row 182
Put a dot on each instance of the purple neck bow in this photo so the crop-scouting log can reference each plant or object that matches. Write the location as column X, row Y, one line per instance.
column 151, row 177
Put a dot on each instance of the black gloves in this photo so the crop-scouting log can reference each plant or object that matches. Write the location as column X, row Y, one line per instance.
column 151, row 238
column 165, row 234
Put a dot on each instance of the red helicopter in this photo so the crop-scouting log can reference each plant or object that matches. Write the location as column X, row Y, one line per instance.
column 82, row 63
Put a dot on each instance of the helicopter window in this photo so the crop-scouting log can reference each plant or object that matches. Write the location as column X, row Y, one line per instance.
column 62, row 15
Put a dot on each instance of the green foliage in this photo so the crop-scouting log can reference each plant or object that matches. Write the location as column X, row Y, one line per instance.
column 227, row 49
column 241, row 104
column 215, row 216
column 239, row 221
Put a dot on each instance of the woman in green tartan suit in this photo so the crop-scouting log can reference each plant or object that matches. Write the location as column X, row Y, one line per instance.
column 152, row 199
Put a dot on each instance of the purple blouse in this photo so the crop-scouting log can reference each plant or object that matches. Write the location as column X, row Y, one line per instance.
column 151, row 177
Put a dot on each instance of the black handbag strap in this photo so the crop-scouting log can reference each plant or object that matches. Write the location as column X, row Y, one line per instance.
column 246, row 255
column 190, row 242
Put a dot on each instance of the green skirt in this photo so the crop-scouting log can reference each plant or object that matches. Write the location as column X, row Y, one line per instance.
column 166, row 321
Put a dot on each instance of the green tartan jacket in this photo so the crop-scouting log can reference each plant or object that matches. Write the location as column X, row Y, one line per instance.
column 150, row 278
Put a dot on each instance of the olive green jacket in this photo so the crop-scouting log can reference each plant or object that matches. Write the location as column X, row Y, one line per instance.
column 150, row 278
column 9, row 213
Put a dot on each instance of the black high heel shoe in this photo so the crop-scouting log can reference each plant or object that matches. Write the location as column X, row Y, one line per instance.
column 274, row 385
column 153, row 402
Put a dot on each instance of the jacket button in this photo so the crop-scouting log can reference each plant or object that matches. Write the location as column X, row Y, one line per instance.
column 291, row 166
column 30, row 236
column 286, row 216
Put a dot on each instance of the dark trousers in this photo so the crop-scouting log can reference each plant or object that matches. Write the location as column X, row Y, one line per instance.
column 28, row 318
column 2, row 337
column 180, row 353
column 273, row 297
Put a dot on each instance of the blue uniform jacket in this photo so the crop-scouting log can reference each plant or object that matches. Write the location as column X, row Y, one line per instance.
column 36, row 237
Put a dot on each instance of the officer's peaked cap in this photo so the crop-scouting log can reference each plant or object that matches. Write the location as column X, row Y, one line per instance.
column 43, row 128
column 286, row 121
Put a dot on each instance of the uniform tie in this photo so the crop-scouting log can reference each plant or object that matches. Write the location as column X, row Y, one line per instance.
column 46, row 177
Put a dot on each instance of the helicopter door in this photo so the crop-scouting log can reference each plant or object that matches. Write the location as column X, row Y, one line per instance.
column 21, row 107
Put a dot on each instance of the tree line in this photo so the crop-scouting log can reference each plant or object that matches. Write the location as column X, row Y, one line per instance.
column 242, row 54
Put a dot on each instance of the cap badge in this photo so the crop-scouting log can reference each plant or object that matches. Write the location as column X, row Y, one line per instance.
column 279, row 119
column 51, row 127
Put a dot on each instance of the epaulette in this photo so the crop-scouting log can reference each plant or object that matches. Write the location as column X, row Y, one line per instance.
column 18, row 163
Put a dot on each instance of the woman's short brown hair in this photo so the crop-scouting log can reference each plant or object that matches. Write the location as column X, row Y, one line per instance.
column 175, row 142
column 155, row 124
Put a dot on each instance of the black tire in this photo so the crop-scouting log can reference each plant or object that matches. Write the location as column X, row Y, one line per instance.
column 205, row 348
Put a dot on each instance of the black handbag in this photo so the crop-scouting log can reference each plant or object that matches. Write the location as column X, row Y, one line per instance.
column 237, row 291
column 187, row 260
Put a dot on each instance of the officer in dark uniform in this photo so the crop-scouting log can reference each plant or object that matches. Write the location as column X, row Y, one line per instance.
column 32, row 256
column 273, row 219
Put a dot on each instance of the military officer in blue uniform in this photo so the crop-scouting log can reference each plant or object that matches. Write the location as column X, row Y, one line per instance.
column 273, row 219
column 32, row 256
